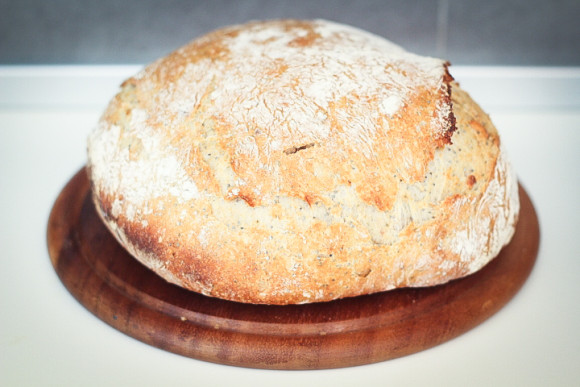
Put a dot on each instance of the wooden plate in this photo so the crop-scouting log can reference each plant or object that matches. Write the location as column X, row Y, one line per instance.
column 120, row 291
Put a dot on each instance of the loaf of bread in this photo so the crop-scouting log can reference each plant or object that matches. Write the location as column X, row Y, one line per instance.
column 288, row 161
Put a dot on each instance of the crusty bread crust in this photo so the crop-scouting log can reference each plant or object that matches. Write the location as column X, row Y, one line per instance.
column 289, row 162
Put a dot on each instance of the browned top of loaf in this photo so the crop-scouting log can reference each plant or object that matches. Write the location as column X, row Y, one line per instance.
column 274, row 89
column 292, row 161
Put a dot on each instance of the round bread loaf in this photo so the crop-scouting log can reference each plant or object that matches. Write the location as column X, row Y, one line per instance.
column 287, row 161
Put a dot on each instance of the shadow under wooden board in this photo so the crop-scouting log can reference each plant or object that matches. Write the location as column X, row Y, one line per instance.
column 116, row 288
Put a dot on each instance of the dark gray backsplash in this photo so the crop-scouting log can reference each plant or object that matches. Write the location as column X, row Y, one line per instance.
column 492, row 32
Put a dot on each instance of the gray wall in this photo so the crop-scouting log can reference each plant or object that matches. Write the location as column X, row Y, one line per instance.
column 492, row 32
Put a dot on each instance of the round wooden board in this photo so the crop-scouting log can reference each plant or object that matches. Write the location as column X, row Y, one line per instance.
column 120, row 291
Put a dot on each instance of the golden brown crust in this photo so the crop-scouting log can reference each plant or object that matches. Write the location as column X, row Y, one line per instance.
column 287, row 188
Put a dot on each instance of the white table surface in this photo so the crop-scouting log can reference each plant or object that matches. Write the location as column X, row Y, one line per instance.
column 47, row 338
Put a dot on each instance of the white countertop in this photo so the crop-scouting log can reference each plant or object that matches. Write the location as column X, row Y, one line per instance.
column 47, row 338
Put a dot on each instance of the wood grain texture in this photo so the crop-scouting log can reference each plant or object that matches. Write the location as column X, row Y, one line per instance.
column 120, row 291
